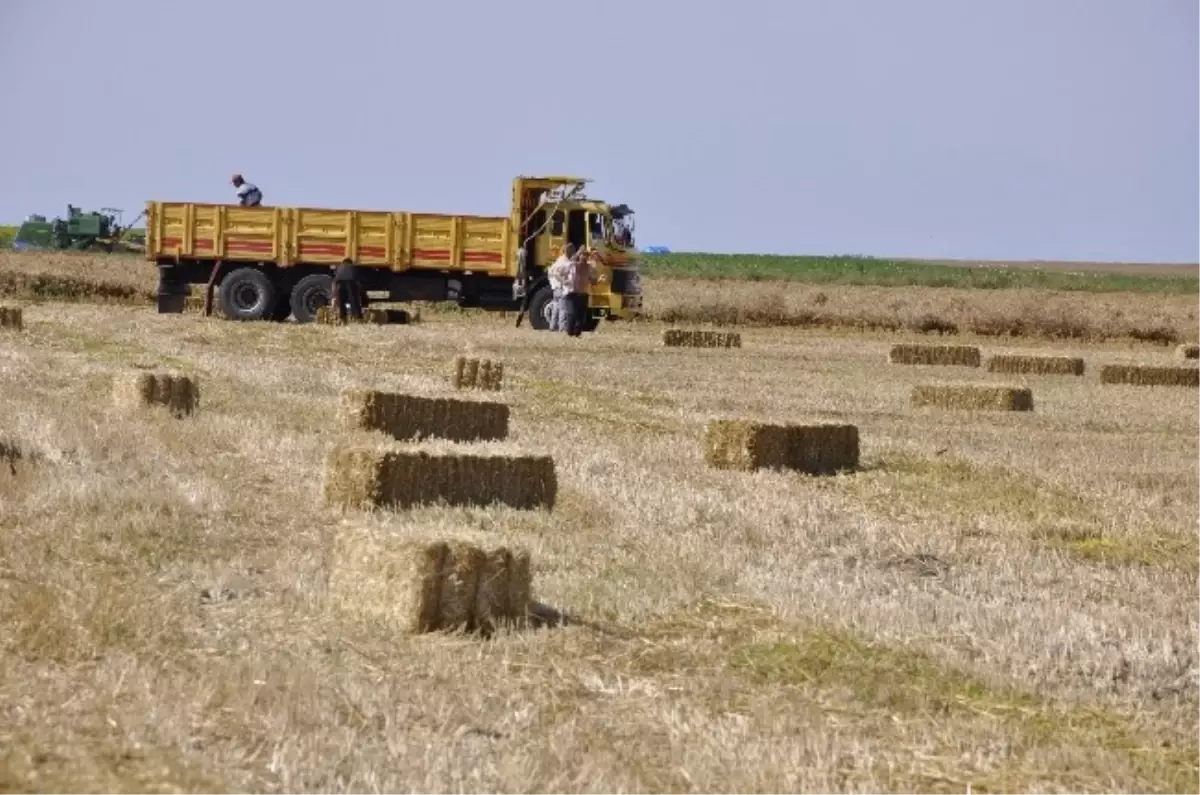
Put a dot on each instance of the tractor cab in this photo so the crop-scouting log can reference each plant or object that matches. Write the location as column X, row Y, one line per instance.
column 549, row 212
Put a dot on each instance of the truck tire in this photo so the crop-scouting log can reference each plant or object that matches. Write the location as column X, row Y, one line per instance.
column 539, row 309
column 309, row 294
column 248, row 294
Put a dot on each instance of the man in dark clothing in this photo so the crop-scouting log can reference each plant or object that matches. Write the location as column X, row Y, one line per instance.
column 346, row 290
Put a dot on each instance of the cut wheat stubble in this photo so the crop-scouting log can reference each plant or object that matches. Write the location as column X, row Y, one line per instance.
column 944, row 355
column 820, row 449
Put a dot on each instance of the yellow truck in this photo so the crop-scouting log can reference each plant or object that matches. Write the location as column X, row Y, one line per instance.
column 272, row 263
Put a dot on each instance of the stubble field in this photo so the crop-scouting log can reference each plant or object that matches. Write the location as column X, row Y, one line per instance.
column 995, row 601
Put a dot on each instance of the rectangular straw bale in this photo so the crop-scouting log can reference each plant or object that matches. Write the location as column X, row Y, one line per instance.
column 328, row 316
column 180, row 394
column 923, row 353
column 412, row 417
column 1036, row 365
column 11, row 317
column 973, row 397
column 814, row 449
column 684, row 338
column 428, row 585
column 1150, row 375
column 404, row 479
column 1188, row 351
column 468, row 373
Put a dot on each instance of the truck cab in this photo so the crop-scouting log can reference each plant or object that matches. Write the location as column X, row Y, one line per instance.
column 550, row 212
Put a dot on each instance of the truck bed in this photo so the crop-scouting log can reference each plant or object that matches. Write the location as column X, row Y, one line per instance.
column 288, row 236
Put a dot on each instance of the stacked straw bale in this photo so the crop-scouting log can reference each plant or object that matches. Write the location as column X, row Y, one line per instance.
column 429, row 585
column 1150, row 375
column 406, row 417
column 1188, row 351
column 973, row 397
column 814, row 449
column 11, row 317
column 920, row 353
column 328, row 316
column 683, row 338
column 402, row 478
column 485, row 374
column 195, row 303
column 179, row 394
column 1036, row 365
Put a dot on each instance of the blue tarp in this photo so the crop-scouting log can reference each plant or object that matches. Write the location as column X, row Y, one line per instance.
column 656, row 250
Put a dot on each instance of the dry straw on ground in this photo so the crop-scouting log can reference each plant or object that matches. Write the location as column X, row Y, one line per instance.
column 468, row 373
column 11, row 317
column 916, row 353
column 1149, row 375
column 403, row 478
column 406, row 417
column 179, row 394
column 429, row 585
column 1036, row 365
column 1188, row 351
column 813, row 449
column 973, row 397
column 683, row 338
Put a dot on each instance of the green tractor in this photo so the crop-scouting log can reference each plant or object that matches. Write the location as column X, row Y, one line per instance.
column 79, row 231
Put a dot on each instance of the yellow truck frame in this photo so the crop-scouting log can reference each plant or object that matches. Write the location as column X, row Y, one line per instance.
column 272, row 263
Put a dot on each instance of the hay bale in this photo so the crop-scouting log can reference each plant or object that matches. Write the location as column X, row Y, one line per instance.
column 684, row 338
column 406, row 417
column 402, row 478
column 427, row 585
column 1188, row 351
column 179, row 394
column 946, row 355
column 194, row 304
column 814, row 449
column 973, row 397
column 11, row 317
column 1036, row 365
column 467, row 373
column 327, row 316
column 1150, row 375
column 520, row 586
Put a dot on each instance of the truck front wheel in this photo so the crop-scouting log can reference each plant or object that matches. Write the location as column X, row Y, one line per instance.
column 248, row 294
column 310, row 294
column 539, row 309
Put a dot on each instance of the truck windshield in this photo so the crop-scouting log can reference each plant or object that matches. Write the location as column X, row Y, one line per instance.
column 597, row 229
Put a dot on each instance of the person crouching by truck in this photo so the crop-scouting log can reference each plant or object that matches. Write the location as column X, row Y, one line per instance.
column 580, row 277
column 558, row 274
column 347, row 290
column 248, row 195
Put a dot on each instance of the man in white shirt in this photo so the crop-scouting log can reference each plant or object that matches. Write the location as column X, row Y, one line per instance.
column 581, row 275
column 248, row 194
column 559, row 274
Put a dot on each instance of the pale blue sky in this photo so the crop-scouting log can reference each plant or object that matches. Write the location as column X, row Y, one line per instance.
column 1025, row 129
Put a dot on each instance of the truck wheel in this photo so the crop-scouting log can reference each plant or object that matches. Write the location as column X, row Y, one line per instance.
column 247, row 294
column 310, row 294
column 539, row 309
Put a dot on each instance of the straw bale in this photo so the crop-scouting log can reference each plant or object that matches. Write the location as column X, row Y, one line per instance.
column 413, row 417
column 684, row 338
column 327, row 316
column 814, row 449
column 467, row 373
column 195, row 303
column 1188, row 351
column 403, row 478
column 1036, row 365
column 921, row 353
column 1150, row 375
column 428, row 584
column 973, row 397
column 11, row 317
column 179, row 394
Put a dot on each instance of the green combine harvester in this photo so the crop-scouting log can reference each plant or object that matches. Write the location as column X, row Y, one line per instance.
column 79, row 231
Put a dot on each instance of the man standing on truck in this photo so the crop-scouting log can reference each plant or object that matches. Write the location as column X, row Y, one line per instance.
column 580, row 276
column 346, row 290
column 248, row 194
